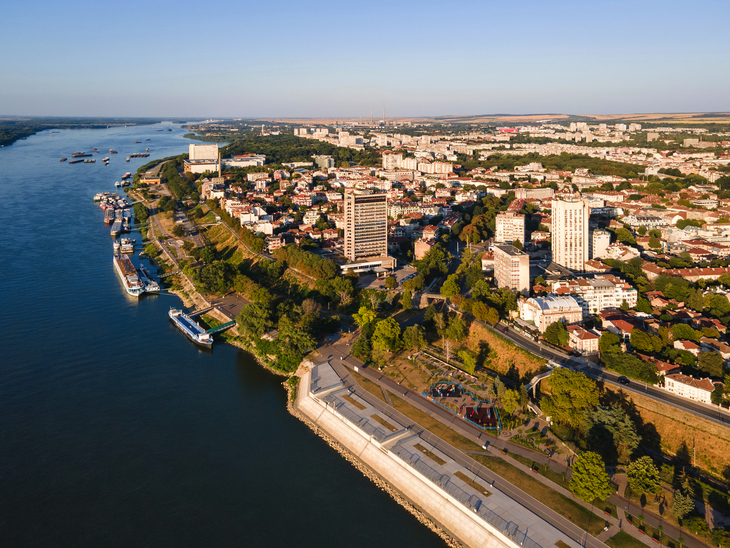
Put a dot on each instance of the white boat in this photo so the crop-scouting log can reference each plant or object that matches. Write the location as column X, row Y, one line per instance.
column 191, row 329
column 116, row 245
column 150, row 285
column 128, row 276
column 127, row 245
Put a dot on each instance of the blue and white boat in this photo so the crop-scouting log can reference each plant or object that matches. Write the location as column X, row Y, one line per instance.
column 191, row 329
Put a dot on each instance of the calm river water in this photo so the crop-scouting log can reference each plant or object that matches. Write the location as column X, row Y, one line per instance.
column 114, row 429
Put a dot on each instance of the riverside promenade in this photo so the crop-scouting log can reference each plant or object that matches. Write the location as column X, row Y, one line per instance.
column 469, row 505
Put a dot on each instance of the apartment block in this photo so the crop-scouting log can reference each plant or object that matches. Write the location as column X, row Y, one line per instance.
column 366, row 225
column 570, row 216
column 510, row 226
column 512, row 268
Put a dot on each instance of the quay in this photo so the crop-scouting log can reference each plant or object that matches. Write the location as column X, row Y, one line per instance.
column 487, row 517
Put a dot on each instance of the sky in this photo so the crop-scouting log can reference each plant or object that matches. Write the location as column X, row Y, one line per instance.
column 277, row 58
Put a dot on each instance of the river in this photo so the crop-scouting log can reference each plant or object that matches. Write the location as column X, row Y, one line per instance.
column 115, row 430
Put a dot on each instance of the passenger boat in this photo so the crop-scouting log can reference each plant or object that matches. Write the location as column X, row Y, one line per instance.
column 191, row 329
column 128, row 275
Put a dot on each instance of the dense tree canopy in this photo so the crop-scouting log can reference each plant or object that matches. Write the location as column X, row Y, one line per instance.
column 590, row 480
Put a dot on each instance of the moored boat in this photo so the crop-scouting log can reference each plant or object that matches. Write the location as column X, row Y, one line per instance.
column 191, row 329
column 128, row 275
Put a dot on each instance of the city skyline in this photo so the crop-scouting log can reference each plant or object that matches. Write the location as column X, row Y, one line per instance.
column 327, row 60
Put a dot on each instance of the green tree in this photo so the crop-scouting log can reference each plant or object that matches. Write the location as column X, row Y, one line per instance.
column 654, row 243
column 624, row 236
column 571, row 395
column 683, row 331
column 524, row 398
column 387, row 335
column 589, row 480
column 414, row 337
column 643, row 305
column 684, row 500
column 456, row 330
column 642, row 230
column 364, row 316
column 493, row 316
column 361, row 349
column 643, row 476
column 178, row 231
column 451, row 286
column 609, row 343
column 254, row 320
column 511, row 401
column 390, row 282
column 557, row 334
column 207, row 254
column 611, row 424
column 711, row 362
column 406, row 300
column 343, row 289
column 518, row 245
column 645, row 342
column 469, row 360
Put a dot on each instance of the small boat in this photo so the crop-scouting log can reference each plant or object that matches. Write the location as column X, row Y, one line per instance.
column 112, row 151
column 105, row 159
column 138, row 141
column 150, row 285
column 116, row 245
column 64, row 159
column 127, row 158
column 91, row 161
column 126, row 175
column 117, row 184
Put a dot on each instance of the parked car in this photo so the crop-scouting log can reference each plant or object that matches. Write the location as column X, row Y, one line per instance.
column 623, row 380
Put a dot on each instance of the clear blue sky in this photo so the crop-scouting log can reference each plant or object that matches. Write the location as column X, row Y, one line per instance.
column 324, row 58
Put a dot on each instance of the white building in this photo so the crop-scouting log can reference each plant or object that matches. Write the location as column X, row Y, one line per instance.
column 203, row 152
column 570, row 232
column 512, row 268
column 599, row 242
column 509, row 226
column 543, row 311
column 597, row 294
column 689, row 387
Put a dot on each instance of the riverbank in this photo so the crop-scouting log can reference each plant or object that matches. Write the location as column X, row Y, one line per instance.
column 293, row 393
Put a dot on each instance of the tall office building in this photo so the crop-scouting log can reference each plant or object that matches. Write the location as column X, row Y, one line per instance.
column 366, row 225
column 509, row 226
column 570, row 231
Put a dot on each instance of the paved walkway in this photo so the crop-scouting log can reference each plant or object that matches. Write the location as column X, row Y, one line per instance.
column 334, row 352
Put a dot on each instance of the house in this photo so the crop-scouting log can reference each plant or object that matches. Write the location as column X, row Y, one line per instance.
column 582, row 340
column 543, row 311
column 707, row 343
column 662, row 368
column 689, row 387
column 689, row 346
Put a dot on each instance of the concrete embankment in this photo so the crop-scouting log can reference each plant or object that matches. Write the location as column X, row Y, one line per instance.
column 383, row 454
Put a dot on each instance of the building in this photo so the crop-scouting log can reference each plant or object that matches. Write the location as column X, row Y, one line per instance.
column 597, row 294
column 512, row 268
column 543, row 311
column 422, row 247
column 570, row 231
column 510, row 226
column 689, row 387
column 203, row 152
column 599, row 242
column 583, row 341
column 366, row 225
column 324, row 162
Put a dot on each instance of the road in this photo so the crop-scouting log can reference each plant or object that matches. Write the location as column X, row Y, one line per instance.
column 709, row 412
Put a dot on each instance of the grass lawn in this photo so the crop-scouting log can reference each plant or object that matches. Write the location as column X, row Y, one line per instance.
column 476, row 486
column 623, row 540
column 434, row 426
column 653, row 533
column 430, row 454
column 569, row 509
column 369, row 385
column 385, row 423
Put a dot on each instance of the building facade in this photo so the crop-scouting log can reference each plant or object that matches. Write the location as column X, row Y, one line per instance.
column 509, row 226
column 599, row 293
column 570, row 231
column 512, row 268
column 689, row 387
column 543, row 311
column 599, row 242
column 366, row 225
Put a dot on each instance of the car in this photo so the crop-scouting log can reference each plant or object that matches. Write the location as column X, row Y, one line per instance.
column 623, row 380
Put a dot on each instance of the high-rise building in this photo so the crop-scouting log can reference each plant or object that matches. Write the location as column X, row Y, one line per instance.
column 366, row 225
column 599, row 242
column 509, row 226
column 570, row 231
column 512, row 268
